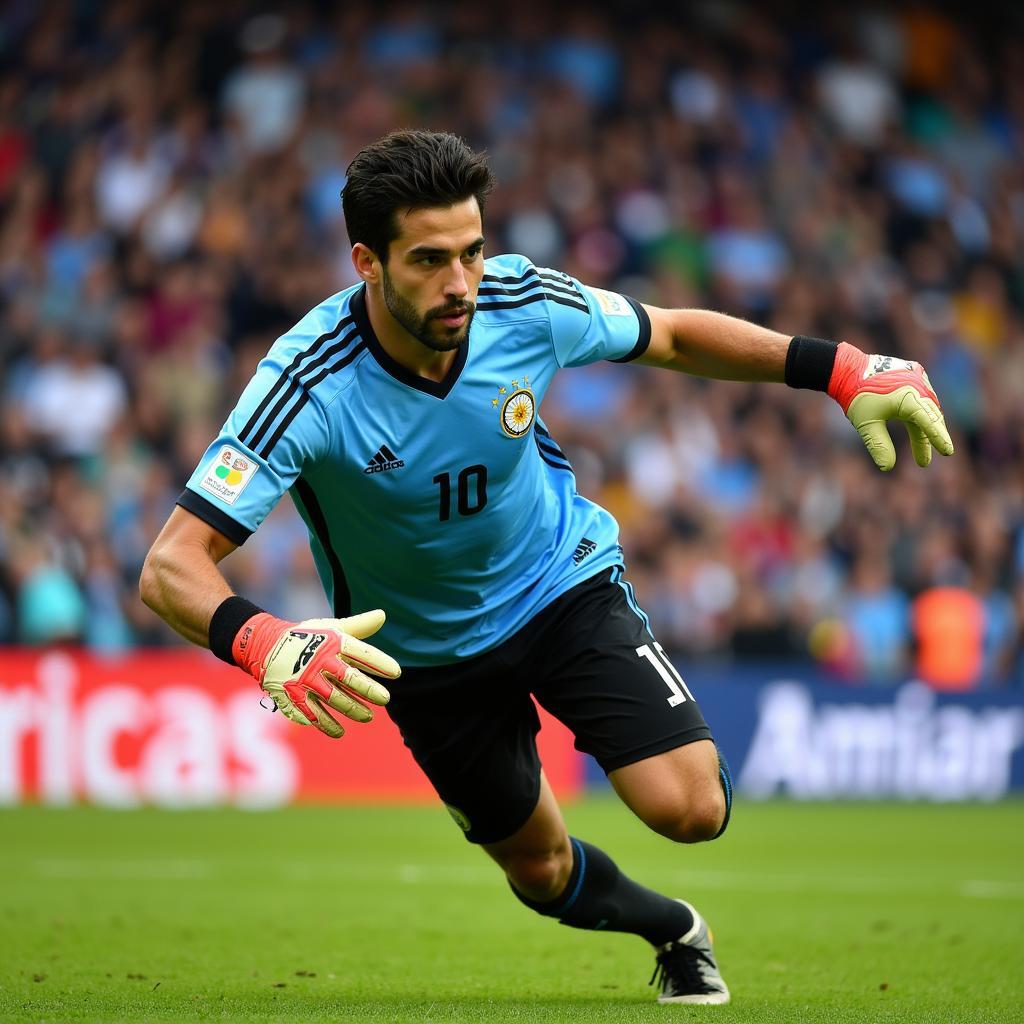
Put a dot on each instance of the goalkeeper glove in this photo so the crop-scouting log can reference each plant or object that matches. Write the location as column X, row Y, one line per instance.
column 304, row 666
column 873, row 389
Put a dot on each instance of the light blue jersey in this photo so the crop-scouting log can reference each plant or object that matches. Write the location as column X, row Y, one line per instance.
column 448, row 504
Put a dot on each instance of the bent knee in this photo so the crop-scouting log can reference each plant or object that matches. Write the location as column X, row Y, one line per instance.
column 694, row 821
column 539, row 875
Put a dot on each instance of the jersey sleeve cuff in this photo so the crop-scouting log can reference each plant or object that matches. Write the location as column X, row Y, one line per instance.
column 215, row 517
column 644, row 337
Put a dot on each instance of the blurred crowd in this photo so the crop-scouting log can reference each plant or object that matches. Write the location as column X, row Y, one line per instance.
column 169, row 179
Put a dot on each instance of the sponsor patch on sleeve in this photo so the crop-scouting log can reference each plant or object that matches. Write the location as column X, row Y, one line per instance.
column 611, row 304
column 228, row 474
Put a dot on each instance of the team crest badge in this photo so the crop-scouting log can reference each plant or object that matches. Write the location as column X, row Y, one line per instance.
column 517, row 407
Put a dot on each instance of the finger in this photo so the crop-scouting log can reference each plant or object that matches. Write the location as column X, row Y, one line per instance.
column 362, row 625
column 285, row 704
column 878, row 442
column 293, row 712
column 362, row 685
column 926, row 415
column 355, row 652
column 345, row 702
column 868, row 413
column 919, row 443
column 324, row 721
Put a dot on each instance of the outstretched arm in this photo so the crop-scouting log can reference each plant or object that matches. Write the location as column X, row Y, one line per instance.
column 709, row 344
column 871, row 389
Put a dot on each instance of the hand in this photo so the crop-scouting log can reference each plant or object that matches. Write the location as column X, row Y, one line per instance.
column 873, row 389
column 305, row 665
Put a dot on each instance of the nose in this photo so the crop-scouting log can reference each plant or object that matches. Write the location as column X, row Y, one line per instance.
column 456, row 287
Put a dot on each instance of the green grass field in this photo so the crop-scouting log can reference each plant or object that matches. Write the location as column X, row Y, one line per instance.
column 822, row 913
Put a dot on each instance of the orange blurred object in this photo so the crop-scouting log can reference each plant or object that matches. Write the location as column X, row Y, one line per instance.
column 949, row 626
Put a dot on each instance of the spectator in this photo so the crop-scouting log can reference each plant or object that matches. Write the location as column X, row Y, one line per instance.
column 74, row 401
column 949, row 632
column 877, row 616
column 130, row 179
column 857, row 97
column 50, row 606
column 265, row 95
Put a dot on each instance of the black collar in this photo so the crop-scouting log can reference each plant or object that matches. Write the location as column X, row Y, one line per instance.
column 437, row 388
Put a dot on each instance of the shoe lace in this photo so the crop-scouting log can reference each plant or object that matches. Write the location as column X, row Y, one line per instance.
column 682, row 967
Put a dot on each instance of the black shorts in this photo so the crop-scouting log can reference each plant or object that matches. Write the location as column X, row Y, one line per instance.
column 588, row 658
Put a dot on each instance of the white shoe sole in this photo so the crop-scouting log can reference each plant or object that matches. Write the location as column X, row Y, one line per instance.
column 710, row 999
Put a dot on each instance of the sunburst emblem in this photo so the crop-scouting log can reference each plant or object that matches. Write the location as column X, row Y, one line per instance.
column 518, row 409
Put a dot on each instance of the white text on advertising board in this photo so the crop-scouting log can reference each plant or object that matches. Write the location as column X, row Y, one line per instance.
column 120, row 746
column 911, row 747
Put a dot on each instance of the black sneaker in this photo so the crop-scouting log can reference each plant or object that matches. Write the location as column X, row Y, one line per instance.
column 687, row 970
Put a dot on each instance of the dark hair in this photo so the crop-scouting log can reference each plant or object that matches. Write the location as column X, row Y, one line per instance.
column 408, row 170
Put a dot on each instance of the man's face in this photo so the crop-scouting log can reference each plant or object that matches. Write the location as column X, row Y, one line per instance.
column 433, row 271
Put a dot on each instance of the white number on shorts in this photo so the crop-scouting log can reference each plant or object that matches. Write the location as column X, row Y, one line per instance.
column 667, row 671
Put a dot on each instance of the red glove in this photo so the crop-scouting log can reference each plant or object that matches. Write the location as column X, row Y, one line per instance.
column 874, row 389
column 306, row 665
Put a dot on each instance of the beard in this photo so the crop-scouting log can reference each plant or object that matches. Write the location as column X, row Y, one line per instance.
column 426, row 328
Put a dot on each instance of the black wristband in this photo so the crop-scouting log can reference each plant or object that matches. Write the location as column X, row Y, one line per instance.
column 809, row 363
column 231, row 615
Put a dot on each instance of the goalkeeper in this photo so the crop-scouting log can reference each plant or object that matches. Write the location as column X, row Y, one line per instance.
column 403, row 416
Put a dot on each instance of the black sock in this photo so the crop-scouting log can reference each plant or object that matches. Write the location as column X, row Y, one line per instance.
column 599, row 896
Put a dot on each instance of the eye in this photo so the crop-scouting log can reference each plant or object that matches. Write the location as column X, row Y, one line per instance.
column 472, row 254
column 429, row 261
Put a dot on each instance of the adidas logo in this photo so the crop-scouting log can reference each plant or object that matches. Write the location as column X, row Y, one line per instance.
column 384, row 460
column 584, row 548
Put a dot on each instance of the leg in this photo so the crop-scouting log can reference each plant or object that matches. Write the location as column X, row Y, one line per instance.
column 612, row 684
column 483, row 763
column 608, row 679
column 680, row 793
column 485, row 768
column 559, row 876
column 537, row 859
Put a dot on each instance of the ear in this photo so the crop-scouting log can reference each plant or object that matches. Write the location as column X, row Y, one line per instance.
column 366, row 264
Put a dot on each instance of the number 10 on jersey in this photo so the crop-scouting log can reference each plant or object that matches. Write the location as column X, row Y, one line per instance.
column 468, row 501
column 667, row 671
